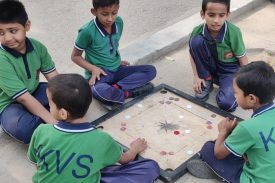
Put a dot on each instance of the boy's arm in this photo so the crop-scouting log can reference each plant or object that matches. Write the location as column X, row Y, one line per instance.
column 137, row 146
column 79, row 60
column 225, row 128
column 35, row 107
column 198, row 82
column 243, row 60
column 51, row 75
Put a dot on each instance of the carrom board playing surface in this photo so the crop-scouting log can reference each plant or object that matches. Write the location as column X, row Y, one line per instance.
column 174, row 124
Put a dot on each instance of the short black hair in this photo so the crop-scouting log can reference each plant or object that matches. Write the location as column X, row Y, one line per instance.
column 12, row 11
column 104, row 3
column 72, row 93
column 225, row 2
column 257, row 78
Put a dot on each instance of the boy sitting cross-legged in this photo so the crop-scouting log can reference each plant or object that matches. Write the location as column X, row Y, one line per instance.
column 111, row 79
column 23, row 100
column 73, row 150
column 244, row 152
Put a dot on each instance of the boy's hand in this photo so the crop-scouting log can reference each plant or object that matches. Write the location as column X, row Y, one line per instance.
column 139, row 145
column 227, row 125
column 125, row 63
column 198, row 83
column 96, row 72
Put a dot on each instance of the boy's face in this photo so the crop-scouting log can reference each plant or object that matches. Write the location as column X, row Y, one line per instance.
column 242, row 100
column 13, row 35
column 215, row 16
column 106, row 15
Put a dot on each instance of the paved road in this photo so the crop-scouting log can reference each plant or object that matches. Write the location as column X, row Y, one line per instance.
column 140, row 16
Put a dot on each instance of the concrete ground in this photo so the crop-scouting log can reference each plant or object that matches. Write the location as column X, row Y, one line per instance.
column 258, row 28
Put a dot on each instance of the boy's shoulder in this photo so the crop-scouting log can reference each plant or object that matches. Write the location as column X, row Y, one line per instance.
column 35, row 41
column 198, row 29
column 232, row 27
column 44, row 127
column 37, row 44
column 260, row 121
column 119, row 20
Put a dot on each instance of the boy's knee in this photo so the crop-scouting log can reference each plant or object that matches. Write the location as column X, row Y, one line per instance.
column 226, row 99
column 153, row 168
column 227, row 104
column 207, row 150
column 152, row 71
column 99, row 90
column 19, row 123
column 22, row 134
column 196, row 42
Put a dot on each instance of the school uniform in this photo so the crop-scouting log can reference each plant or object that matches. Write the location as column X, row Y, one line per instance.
column 218, row 58
column 101, row 50
column 72, row 153
column 253, row 138
column 19, row 73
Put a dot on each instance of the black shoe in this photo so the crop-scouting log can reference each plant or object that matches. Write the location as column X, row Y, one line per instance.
column 204, row 95
column 146, row 89
column 111, row 106
column 200, row 169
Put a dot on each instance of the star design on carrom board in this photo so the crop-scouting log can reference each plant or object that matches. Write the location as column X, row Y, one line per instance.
column 168, row 126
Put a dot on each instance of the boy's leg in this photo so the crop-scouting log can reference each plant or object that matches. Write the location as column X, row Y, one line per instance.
column 105, row 92
column 229, row 168
column 125, row 79
column 18, row 122
column 145, row 171
column 205, row 64
column 225, row 97
column 131, row 77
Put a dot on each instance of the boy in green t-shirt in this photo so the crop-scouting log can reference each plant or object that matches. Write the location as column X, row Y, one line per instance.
column 111, row 79
column 244, row 152
column 216, row 53
column 23, row 100
column 73, row 150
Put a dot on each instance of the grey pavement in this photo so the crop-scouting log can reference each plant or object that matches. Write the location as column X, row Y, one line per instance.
column 255, row 18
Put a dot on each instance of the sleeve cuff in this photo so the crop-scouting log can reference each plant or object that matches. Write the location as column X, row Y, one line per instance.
column 231, row 150
column 18, row 94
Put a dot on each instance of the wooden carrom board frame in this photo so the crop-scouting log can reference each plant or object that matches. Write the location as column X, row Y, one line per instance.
column 165, row 175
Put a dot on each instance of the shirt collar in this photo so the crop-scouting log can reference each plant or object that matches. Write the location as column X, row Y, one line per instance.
column 263, row 109
column 221, row 34
column 101, row 29
column 74, row 128
column 29, row 48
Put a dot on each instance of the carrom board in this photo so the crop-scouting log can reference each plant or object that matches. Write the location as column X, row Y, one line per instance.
column 174, row 124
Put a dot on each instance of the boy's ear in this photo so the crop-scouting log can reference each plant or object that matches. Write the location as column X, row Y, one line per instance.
column 93, row 11
column 253, row 99
column 202, row 14
column 63, row 114
column 28, row 25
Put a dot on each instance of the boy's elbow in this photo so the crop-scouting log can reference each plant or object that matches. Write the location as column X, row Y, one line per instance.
column 126, row 157
column 220, row 152
column 73, row 58
column 218, row 155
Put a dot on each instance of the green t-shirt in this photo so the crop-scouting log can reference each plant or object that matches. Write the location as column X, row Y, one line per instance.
column 229, row 42
column 255, row 138
column 71, row 153
column 101, row 48
column 20, row 73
